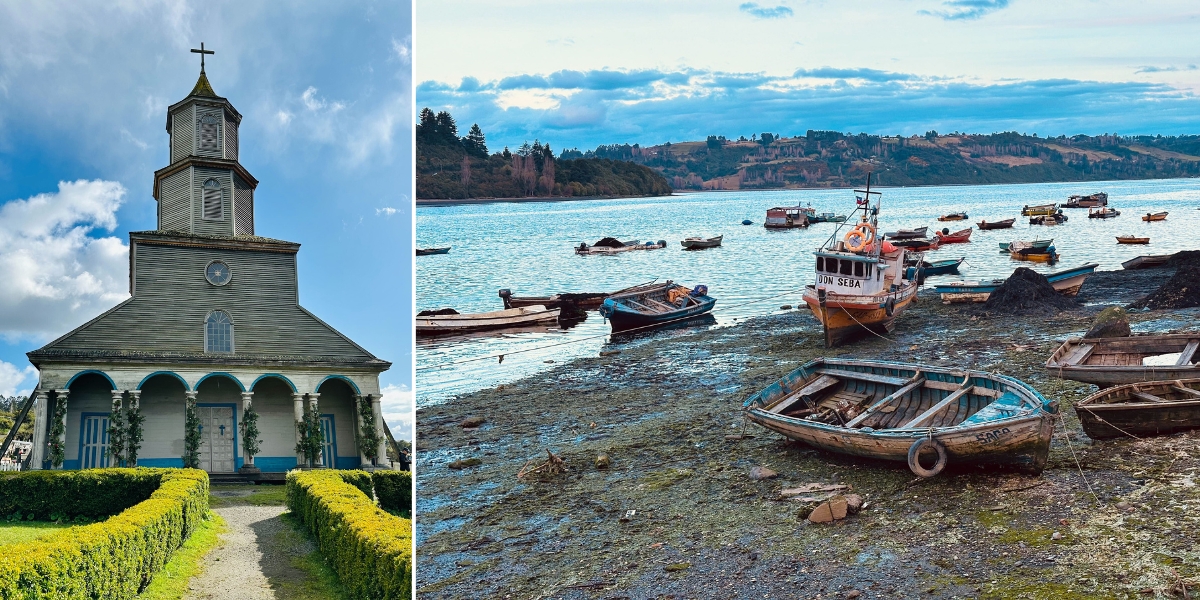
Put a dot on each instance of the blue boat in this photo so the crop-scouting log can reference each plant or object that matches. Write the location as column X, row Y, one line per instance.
column 654, row 305
column 937, row 267
column 1066, row 282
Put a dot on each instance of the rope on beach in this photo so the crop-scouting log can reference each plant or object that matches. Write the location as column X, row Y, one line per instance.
column 500, row 356
column 1067, row 437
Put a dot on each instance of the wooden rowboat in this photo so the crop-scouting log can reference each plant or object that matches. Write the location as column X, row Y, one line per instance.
column 906, row 234
column 441, row 324
column 1129, row 239
column 1148, row 261
column 895, row 411
column 1117, row 360
column 1158, row 216
column 428, row 251
column 1040, row 209
column 959, row 216
column 958, row 237
column 1005, row 224
column 1066, row 282
column 654, row 305
column 699, row 243
column 1140, row 409
column 919, row 245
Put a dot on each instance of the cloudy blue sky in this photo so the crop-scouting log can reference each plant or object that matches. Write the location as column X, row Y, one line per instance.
column 588, row 72
column 325, row 91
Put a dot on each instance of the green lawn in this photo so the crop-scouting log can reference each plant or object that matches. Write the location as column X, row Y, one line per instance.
column 240, row 495
column 23, row 531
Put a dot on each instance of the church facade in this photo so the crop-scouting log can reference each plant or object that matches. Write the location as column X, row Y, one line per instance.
column 213, row 330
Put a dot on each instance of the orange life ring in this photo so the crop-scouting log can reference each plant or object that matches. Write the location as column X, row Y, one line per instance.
column 860, row 237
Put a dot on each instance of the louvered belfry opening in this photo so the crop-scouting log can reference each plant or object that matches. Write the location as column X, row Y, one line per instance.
column 214, row 205
column 207, row 134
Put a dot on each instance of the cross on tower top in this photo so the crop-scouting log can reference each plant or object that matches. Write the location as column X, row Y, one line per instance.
column 202, row 52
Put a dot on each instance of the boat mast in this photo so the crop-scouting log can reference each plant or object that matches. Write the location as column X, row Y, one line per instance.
column 871, row 216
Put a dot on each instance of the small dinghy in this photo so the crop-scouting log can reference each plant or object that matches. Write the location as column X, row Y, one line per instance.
column 1132, row 239
column 1103, row 212
column 937, row 267
column 699, row 243
column 1148, row 261
column 447, row 321
column 655, row 304
column 1066, row 282
column 918, row 245
column 1116, row 360
column 609, row 246
column 1158, row 216
column 827, row 217
column 901, row 412
column 428, row 251
column 1138, row 409
column 958, row 237
column 958, row 216
column 1005, row 224
column 907, row 234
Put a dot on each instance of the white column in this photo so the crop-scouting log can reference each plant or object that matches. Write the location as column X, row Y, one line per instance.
column 298, row 410
column 62, row 398
column 363, row 461
column 312, row 406
column 41, row 407
column 376, row 408
column 248, row 459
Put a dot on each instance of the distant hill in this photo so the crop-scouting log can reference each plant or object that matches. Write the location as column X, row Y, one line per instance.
column 822, row 159
column 450, row 167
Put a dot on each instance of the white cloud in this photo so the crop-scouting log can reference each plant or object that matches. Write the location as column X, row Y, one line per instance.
column 397, row 408
column 403, row 49
column 13, row 379
column 56, row 275
column 386, row 211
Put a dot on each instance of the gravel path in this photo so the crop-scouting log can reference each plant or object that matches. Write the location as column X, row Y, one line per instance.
column 254, row 559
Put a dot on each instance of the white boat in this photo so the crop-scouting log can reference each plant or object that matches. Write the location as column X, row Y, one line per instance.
column 696, row 243
column 438, row 324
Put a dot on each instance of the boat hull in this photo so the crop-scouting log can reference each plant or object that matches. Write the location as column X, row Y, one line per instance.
column 1045, row 209
column 1005, row 224
column 1146, row 262
column 701, row 243
column 624, row 318
column 1106, row 421
column 1121, row 240
column 847, row 318
column 1067, row 283
column 502, row 319
column 1114, row 361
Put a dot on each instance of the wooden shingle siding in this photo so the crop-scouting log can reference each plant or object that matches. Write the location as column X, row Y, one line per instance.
column 173, row 298
column 181, row 133
column 231, row 139
column 175, row 202
column 208, row 130
column 201, row 224
column 243, row 207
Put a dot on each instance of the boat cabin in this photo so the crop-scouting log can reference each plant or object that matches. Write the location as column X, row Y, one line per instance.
column 793, row 216
column 850, row 273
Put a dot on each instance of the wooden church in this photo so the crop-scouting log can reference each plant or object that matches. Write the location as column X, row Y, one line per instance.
column 213, row 332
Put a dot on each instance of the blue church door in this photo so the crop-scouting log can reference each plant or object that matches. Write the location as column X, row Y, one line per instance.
column 95, row 442
column 329, row 443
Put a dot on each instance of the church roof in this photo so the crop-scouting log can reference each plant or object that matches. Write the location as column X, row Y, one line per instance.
column 203, row 87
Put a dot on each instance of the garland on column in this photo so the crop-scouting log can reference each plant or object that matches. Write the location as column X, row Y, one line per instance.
column 311, row 440
column 250, row 439
column 191, row 436
column 57, row 450
column 368, row 439
column 133, row 441
column 116, row 432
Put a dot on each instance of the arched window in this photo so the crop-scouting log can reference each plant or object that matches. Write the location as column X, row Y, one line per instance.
column 218, row 332
column 214, row 206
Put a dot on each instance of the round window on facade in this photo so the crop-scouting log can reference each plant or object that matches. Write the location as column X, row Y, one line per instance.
column 218, row 273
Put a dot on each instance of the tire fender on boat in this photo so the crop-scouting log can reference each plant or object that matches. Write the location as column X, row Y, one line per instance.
column 914, row 454
column 889, row 307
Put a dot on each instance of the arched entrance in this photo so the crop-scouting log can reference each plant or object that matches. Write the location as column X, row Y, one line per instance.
column 274, row 403
column 218, row 402
column 162, row 404
column 89, row 402
column 338, row 424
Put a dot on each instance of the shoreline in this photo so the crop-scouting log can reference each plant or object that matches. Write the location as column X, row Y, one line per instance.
column 676, row 513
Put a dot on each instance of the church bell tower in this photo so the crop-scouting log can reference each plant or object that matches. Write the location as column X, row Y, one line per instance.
column 205, row 190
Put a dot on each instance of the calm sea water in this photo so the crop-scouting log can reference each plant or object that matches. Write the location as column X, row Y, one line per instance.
column 527, row 247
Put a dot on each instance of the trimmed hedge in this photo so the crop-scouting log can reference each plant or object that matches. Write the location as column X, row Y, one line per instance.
column 115, row 558
column 65, row 495
column 370, row 550
column 394, row 490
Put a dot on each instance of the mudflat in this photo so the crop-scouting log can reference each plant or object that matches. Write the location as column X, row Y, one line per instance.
column 676, row 513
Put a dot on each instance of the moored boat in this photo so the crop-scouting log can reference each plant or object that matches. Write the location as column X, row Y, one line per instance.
column 786, row 217
column 958, row 216
column 1005, row 224
column 1066, row 282
column 1148, row 261
column 958, row 237
column 861, row 285
column 1141, row 409
column 1117, row 360
column 1039, row 209
column 447, row 321
column 1057, row 218
column 429, row 251
column 826, row 217
column 906, row 234
column 699, row 243
column 1132, row 239
column 654, row 305
column 918, row 245
column 1023, row 247
column 899, row 412
column 1103, row 212
column 1090, row 201
column 937, row 267
column 1158, row 216
column 610, row 245
column 1050, row 256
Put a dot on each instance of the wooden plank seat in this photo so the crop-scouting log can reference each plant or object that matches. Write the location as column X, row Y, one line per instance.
column 897, row 381
column 810, row 389
column 1078, row 354
column 917, row 381
column 1188, row 355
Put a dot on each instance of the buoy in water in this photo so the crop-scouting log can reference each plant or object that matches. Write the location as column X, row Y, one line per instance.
column 747, row 222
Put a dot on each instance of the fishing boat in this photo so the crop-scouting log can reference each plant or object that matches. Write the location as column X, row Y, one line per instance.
column 447, row 321
column 1039, row 257
column 1103, row 212
column 1091, row 201
column 900, row 412
column 860, row 285
column 937, row 267
column 1148, row 261
column 827, row 217
column 1141, row 409
column 958, row 216
column 1066, row 282
column 1040, row 209
column 958, row 237
column 654, row 305
column 782, row 217
column 1005, row 224
column 918, row 245
column 699, row 243
column 428, row 251
column 906, row 234
column 1117, row 360
column 608, row 246
column 1057, row 218
column 1034, row 247
column 1131, row 239
column 1158, row 216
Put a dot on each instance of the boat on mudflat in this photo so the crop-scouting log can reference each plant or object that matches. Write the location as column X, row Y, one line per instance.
column 1039, row 209
column 1091, row 201
column 861, row 286
column 1141, row 409
column 1066, row 282
column 906, row 234
column 958, row 237
column 653, row 305
column 1005, row 224
column 1148, row 261
column 958, row 216
column 902, row 412
column 1158, row 216
column 429, row 251
column 1132, row 239
column 448, row 321
column 1117, row 360
column 699, row 243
